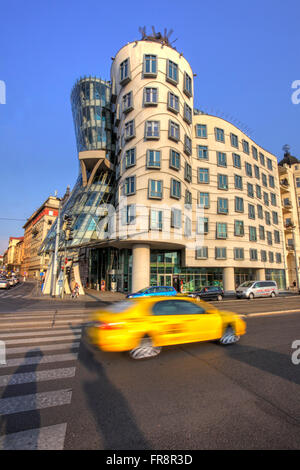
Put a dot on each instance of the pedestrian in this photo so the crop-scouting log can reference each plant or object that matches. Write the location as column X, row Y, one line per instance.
column 75, row 291
column 294, row 284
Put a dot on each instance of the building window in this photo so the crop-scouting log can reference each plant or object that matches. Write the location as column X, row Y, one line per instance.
column 188, row 197
column 155, row 188
column 262, row 159
column 252, row 234
column 236, row 160
column 238, row 253
column 130, row 158
column 271, row 181
column 250, row 191
column 266, row 199
column 187, row 145
column 152, row 130
column 259, row 211
column 124, row 72
column 298, row 182
column 269, row 238
column 219, row 134
column 220, row 253
column 253, row 255
column 269, row 164
column 267, row 218
column 203, row 175
column 222, row 181
column 153, row 159
column 263, row 255
column 271, row 257
column 187, row 113
column 245, row 146
column 251, row 211
column 258, row 191
column 254, row 153
column 202, row 152
column 129, row 186
column 239, row 228
column 173, row 102
column 172, row 72
column 188, row 172
column 201, row 131
column 127, row 102
column 128, row 214
column 261, row 231
column 187, row 85
column 201, row 253
column 276, row 236
column 221, row 159
column 202, row 225
column 275, row 217
column 203, row 200
column 175, row 218
column 234, row 141
column 129, row 130
column 174, row 131
column 248, row 168
column 256, row 172
column 156, row 222
column 278, row 257
column 187, row 227
column 175, row 189
column 150, row 96
column 273, row 199
column 222, row 205
column 174, row 160
column 150, row 65
column 239, row 204
column 221, row 230
column 238, row 182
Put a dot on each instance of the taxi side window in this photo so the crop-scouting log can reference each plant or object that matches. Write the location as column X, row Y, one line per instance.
column 176, row 307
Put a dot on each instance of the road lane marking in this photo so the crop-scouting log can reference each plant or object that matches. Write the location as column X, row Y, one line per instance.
column 37, row 376
column 25, row 361
column 36, row 401
column 276, row 312
column 45, row 438
column 42, row 340
column 45, row 347
column 54, row 331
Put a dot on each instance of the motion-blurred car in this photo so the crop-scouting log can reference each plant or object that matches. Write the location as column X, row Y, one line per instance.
column 142, row 326
column 153, row 291
column 208, row 293
column 4, row 284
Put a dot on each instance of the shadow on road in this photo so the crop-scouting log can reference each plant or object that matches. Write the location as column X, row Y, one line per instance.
column 109, row 408
column 273, row 362
column 9, row 422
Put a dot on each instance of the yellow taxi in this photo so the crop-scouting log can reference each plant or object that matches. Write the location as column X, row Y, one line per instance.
column 142, row 326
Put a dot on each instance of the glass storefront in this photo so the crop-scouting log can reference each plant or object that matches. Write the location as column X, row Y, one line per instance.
column 243, row 274
column 277, row 275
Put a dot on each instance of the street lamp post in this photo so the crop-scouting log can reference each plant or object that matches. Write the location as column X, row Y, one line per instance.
column 54, row 271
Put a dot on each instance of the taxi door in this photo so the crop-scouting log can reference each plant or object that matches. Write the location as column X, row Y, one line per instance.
column 168, row 325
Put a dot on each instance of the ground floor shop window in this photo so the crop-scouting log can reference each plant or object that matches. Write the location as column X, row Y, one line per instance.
column 277, row 275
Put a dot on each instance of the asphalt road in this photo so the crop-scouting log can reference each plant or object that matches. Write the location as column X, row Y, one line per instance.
column 197, row 396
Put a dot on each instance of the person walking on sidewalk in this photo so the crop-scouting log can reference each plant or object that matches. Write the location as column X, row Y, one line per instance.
column 75, row 291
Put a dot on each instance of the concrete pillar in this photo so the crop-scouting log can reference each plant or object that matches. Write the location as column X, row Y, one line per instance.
column 228, row 280
column 260, row 274
column 140, row 266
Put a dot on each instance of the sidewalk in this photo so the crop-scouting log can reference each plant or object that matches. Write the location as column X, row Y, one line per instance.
column 91, row 295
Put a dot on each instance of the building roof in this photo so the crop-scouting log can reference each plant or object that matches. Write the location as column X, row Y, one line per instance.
column 288, row 159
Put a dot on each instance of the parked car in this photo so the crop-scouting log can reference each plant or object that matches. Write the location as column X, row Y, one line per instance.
column 251, row 289
column 4, row 284
column 11, row 281
column 142, row 326
column 208, row 293
column 151, row 291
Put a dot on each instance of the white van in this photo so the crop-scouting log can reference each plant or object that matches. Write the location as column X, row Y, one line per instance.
column 251, row 289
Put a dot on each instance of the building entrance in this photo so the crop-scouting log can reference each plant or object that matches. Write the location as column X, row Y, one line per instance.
column 165, row 280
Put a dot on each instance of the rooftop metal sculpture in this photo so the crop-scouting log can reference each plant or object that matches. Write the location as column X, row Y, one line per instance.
column 157, row 36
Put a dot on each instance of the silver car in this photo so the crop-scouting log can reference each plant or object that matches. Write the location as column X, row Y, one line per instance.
column 251, row 289
column 4, row 284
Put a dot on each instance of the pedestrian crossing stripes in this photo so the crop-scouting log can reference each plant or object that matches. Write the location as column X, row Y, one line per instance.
column 35, row 358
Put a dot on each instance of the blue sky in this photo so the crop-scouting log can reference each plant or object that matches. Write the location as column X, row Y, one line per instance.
column 245, row 55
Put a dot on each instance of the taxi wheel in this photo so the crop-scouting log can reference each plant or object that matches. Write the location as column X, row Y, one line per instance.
column 229, row 337
column 145, row 349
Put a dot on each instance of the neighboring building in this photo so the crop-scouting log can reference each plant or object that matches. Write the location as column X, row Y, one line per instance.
column 198, row 202
column 289, row 173
column 13, row 263
column 1, row 261
column 35, row 230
